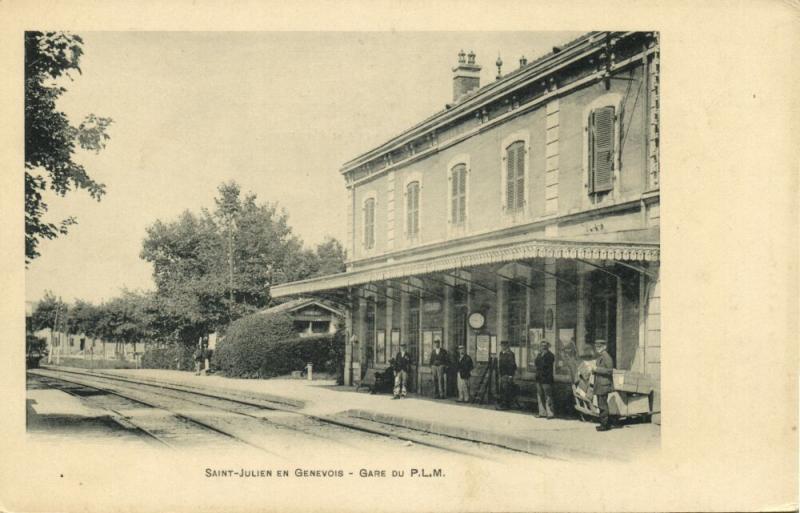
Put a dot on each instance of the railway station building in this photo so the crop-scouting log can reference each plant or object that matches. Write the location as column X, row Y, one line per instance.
column 526, row 210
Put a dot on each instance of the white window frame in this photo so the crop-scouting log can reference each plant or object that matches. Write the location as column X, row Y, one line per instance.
column 416, row 176
column 525, row 137
column 606, row 100
column 369, row 195
column 452, row 227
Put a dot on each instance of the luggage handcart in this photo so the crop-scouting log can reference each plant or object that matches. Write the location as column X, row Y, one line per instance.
column 632, row 396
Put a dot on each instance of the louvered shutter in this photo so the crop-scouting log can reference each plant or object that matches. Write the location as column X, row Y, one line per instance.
column 602, row 154
column 369, row 224
column 416, row 209
column 409, row 225
column 454, row 176
column 462, row 194
column 520, row 185
column 412, row 210
column 511, row 173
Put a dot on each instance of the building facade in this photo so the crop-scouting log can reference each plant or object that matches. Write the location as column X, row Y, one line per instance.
column 532, row 201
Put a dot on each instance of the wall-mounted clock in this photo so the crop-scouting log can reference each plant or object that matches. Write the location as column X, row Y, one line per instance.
column 476, row 320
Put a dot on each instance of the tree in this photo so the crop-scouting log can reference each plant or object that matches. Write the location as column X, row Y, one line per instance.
column 213, row 268
column 122, row 320
column 331, row 256
column 83, row 319
column 50, row 139
column 50, row 313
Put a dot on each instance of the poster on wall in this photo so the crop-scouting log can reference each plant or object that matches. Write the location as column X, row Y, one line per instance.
column 493, row 344
column 566, row 352
column 427, row 346
column 535, row 337
column 395, row 343
column 483, row 343
column 380, row 347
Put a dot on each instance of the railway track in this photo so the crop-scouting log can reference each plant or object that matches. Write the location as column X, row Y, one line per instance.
column 188, row 416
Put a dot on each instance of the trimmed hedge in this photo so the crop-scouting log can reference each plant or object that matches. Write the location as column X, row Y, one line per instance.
column 173, row 357
column 264, row 346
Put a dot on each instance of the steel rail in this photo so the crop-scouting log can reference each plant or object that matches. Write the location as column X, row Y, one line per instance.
column 323, row 419
column 187, row 418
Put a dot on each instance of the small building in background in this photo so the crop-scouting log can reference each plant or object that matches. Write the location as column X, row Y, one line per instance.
column 310, row 316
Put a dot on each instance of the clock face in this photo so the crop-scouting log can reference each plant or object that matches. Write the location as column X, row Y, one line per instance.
column 476, row 320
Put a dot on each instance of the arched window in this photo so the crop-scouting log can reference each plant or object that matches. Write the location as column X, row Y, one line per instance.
column 458, row 194
column 369, row 223
column 515, row 176
column 412, row 210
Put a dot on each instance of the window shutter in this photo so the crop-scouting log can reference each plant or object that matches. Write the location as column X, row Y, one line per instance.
column 412, row 208
column 462, row 195
column 511, row 174
column 602, row 155
column 369, row 223
column 454, row 195
column 515, row 176
column 409, row 227
column 416, row 209
column 520, row 188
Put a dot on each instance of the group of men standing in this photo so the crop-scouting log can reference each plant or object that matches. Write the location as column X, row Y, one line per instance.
column 506, row 368
column 439, row 362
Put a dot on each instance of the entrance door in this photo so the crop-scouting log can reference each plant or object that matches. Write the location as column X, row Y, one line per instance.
column 601, row 323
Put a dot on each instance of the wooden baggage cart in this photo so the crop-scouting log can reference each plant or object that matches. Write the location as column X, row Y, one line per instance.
column 632, row 398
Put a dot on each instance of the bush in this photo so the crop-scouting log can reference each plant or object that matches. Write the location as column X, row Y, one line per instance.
column 176, row 356
column 263, row 346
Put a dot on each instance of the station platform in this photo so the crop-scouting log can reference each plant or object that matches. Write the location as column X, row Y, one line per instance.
column 515, row 429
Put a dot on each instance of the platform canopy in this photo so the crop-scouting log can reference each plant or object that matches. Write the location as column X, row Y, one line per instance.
column 617, row 251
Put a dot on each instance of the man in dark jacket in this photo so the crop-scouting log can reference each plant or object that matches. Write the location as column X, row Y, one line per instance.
column 464, row 367
column 602, row 382
column 544, row 380
column 401, row 367
column 506, row 368
column 438, row 363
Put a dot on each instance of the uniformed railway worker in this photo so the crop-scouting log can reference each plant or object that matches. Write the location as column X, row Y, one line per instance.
column 401, row 367
column 544, row 380
column 506, row 368
column 464, row 371
column 438, row 363
column 602, row 382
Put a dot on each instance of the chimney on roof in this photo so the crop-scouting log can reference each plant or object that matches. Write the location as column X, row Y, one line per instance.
column 466, row 76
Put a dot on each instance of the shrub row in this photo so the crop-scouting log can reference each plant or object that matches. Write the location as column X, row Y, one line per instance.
column 263, row 346
column 171, row 357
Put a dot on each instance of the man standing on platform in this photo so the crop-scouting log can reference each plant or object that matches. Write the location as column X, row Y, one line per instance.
column 544, row 380
column 438, row 363
column 402, row 366
column 602, row 382
column 464, row 368
column 506, row 368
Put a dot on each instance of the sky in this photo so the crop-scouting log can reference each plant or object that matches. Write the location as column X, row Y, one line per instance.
column 278, row 112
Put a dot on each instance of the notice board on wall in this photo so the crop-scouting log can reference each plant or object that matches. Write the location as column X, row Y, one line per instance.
column 483, row 345
column 380, row 347
column 394, row 343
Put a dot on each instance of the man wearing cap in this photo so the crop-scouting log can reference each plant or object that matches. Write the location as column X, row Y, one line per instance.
column 438, row 363
column 401, row 366
column 464, row 367
column 506, row 367
column 544, row 380
column 602, row 382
